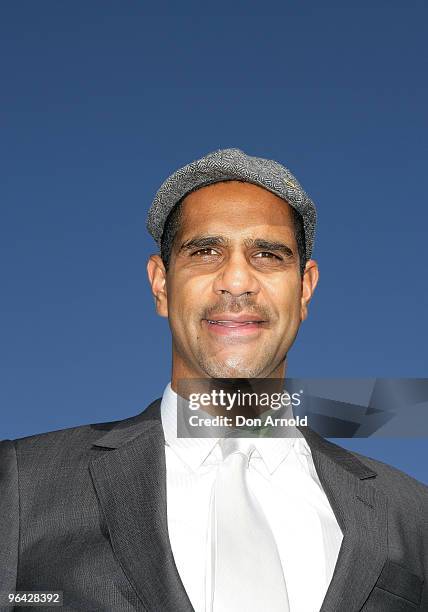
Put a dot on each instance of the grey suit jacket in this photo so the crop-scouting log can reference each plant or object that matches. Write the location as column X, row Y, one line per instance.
column 83, row 510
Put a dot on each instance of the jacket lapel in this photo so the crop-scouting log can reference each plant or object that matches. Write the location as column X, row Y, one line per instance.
column 361, row 511
column 130, row 480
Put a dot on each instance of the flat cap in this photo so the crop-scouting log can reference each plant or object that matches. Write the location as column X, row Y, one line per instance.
column 226, row 165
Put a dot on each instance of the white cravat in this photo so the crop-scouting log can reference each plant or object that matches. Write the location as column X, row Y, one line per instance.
column 247, row 575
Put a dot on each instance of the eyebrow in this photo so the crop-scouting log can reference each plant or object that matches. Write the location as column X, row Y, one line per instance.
column 202, row 242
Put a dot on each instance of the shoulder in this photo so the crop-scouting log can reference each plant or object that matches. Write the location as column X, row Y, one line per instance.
column 390, row 480
column 55, row 464
column 402, row 490
column 62, row 443
column 390, row 474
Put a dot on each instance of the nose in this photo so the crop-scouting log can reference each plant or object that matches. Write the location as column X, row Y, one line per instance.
column 236, row 277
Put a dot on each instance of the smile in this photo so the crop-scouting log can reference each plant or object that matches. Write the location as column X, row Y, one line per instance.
column 233, row 329
column 233, row 323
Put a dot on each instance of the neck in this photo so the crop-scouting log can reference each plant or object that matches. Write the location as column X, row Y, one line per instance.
column 223, row 396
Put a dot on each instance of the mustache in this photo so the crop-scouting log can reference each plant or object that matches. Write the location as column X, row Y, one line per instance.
column 235, row 306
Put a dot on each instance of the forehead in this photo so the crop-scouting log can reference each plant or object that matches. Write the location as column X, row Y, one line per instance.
column 234, row 206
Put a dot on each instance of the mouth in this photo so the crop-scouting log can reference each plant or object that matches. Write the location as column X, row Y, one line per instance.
column 235, row 326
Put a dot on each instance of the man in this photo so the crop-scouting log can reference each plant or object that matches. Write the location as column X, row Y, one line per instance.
column 130, row 516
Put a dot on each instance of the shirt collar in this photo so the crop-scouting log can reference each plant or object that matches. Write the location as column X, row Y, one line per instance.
column 194, row 451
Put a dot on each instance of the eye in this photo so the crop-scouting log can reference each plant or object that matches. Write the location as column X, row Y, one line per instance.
column 206, row 251
column 267, row 255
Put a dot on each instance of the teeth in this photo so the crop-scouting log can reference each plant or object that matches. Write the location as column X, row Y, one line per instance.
column 236, row 323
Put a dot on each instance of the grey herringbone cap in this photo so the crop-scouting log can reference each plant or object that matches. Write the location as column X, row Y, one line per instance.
column 231, row 164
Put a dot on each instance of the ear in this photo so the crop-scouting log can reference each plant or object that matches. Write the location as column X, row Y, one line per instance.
column 309, row 282
column 157, row 279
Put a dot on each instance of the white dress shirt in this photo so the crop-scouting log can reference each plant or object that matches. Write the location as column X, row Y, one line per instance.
column 282, row 475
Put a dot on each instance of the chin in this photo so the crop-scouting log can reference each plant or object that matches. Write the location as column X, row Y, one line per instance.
column 231, row 368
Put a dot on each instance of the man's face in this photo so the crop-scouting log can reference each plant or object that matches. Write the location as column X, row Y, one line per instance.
column 233, row 294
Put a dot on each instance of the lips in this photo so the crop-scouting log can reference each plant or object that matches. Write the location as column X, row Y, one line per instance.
column 229, row 323
column 229, row 319
column 235, row 325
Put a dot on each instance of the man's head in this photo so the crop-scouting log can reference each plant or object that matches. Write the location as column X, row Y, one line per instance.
column 232, row 287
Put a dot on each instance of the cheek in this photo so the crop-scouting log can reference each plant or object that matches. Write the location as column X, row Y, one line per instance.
column 285, row 298
column 290, row 320
column 195, row 289
column 186, row 297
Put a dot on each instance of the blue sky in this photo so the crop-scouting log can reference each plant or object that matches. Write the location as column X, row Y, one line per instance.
column 101, row 101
